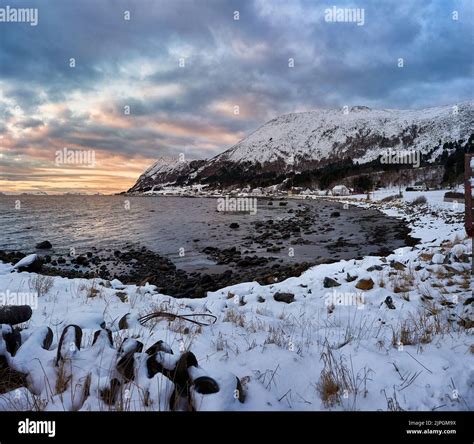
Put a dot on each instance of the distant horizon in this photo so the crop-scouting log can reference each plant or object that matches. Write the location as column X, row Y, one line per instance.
column 134, row 81
column 45, row 193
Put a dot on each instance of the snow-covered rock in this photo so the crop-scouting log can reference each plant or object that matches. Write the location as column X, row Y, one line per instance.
column 438, row 258
column 28, row 263
column 115, row 283
column 458, row 250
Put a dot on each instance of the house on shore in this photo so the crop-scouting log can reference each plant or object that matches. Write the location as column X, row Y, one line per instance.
column 340, row 190
column 420, row 186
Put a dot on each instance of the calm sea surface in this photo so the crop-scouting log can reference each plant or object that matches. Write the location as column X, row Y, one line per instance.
column 166, row 224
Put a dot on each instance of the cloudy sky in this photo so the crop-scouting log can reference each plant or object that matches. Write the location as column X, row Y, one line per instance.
column 181, row 67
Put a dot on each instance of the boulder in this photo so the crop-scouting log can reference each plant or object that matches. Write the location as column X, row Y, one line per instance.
column 365, row 284
column 330, row 282
column 375, row 268
column 438, row 258
column 389, row 303
column 45, row 245
column 350, row 278
column 397, row 265
column 458, row 250
column 284, row 297
column 116, row 284
column 82, row 260
column 31, row 263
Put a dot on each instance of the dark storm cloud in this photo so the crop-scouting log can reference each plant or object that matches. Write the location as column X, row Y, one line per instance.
column 30, row 123
column 227, row 63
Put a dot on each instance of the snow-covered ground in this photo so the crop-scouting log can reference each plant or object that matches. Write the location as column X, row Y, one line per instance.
column 338, row 348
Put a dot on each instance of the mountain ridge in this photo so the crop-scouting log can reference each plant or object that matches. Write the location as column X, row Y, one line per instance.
column 297, row 142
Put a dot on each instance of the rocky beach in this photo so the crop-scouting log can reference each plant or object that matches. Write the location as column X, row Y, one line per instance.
column 267, row 250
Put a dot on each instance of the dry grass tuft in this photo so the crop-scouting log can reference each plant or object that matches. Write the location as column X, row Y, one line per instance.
column 63, row 378
column 338, row 380
column 426, row 257
column 91, row 289
column 41, row 284
column 447, row 245
column 381, row 280
column 277, row 336
column 420, row 200
column 10, row 379
column 328, row 389
column 403, row 281
column 466, row 282
column 420, row 328
column 232, row 315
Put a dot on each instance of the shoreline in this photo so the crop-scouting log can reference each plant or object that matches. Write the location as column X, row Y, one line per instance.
column 258, row 258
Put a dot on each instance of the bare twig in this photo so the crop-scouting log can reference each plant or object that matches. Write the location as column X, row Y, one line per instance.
column 419, row 363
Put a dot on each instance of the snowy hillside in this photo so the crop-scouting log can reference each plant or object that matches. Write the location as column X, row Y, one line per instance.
column 361, row 133
column 302, row 141
column 164, row 172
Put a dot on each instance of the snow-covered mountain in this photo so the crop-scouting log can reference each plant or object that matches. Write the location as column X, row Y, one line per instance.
column 305, row 141
column 166, row 172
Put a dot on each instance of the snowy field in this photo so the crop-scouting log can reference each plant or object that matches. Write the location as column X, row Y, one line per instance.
column 389, row 333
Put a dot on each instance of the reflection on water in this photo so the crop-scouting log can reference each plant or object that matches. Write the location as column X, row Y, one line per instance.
column 164, row 225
